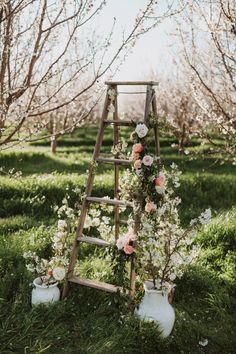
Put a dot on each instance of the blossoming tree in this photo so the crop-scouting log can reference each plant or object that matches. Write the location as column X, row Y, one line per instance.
column 50, row 59
column 209, row 36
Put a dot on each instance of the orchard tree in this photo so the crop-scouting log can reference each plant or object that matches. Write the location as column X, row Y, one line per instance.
column 50, row 59
column 176, row 108
column 209, row 41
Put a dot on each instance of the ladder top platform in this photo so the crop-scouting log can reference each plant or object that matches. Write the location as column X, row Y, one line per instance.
column 134, row 83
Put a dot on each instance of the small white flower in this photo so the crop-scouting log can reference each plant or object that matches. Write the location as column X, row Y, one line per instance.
column 203, row 342
column 62, row 224
column 173, row 166
column 59, row 273
column 160, row 189
column 30, row 268
column 59, row 236
column 172, row 276
column 111, row 108
column 205, row 217
column 141, row 130
column 139, row 172
column 111, row 94
column 120, row 243
column 95, row 222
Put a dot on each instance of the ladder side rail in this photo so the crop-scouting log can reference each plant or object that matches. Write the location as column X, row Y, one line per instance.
column 148, row 104
column 88, row 190
column 137, row 219
column 156, row 127
column 116, row 167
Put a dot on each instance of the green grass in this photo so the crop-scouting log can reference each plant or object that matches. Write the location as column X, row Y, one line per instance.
column 90, row 321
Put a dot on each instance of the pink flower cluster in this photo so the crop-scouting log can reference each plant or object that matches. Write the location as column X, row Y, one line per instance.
column 147, row 160
column 126, row 242
column 137, row 148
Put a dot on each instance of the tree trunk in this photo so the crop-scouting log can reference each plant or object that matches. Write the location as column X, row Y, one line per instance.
column 54, row 144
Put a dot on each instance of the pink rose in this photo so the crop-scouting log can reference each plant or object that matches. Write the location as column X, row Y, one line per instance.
column 137, row 164
column 129, row 249
column 137, row 148
column 147, row 160
column 49, row 272
column 160, row 181
column 135, row 156
column 160, row 185
column 150, row 207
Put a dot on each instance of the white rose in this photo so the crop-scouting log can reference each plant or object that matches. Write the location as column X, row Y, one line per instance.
column 147, row 160
column 59, row 273
column 141, row 130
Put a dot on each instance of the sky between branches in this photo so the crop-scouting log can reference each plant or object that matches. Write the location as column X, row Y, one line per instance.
column 155, row 50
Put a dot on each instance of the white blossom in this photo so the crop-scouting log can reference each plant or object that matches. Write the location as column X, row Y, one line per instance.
column 62, row 224
column 205, row 217
column 203, row 342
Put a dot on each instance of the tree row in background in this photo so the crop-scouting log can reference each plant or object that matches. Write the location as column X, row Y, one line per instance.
column 52, row 67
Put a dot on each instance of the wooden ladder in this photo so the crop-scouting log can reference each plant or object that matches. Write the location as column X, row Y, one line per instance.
column 150, row 107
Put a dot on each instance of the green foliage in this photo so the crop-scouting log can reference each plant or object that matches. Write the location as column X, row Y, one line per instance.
column 202, row 191
column 218, row 241
column 36, row 196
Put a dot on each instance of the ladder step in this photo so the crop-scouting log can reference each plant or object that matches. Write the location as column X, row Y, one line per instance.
column 109, row 201
column 123, row 222
column 118, row 122
column 135, row 83
column 115, row 161
column 96, row 284
column 94, row 241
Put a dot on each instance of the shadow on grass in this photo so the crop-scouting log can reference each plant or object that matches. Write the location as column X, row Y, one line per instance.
column 42, row 163
column 75, row 160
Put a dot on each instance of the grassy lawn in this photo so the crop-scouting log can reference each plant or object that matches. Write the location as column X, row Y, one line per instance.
column 93, row 322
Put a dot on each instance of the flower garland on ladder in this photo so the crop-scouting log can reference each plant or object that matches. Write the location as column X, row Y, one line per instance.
column 163, row 247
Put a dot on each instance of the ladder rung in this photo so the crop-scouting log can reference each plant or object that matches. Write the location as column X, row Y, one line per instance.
column 96, row 284
column 115, row 161
column 118, row 122
column 123, row 222
column 94, row 241
column 109, row 201
column 128, row 83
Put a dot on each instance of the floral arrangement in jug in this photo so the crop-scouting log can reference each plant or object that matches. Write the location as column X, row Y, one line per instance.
column 163, row 247
column 53, row 270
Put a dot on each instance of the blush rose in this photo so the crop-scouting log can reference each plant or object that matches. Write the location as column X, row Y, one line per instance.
column 137, row 148
column 147, row 160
